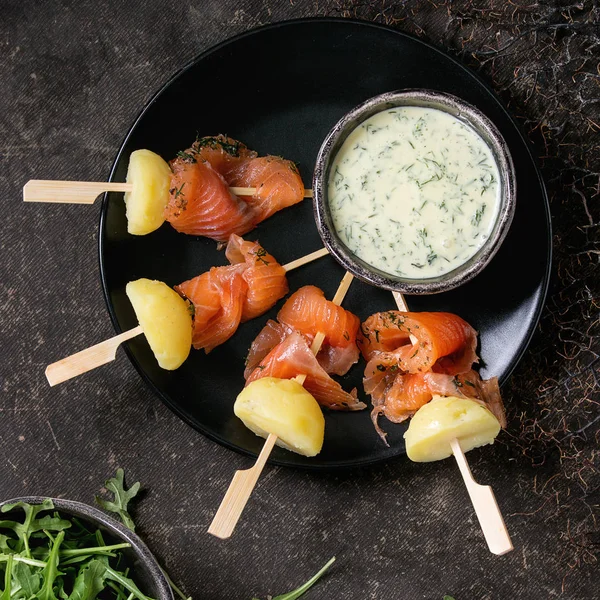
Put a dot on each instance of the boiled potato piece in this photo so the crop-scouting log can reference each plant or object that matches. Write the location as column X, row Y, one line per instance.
column 285, row 408
column 145, row 205
column 444, row 418
column 165, row 318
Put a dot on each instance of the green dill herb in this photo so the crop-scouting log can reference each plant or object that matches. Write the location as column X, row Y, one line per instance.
column 186, row 156
column 476, row 220
column 179, row 192
column 260, row 255
column 230, row 147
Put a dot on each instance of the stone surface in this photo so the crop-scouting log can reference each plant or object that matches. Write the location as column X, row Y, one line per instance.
column 74, row 76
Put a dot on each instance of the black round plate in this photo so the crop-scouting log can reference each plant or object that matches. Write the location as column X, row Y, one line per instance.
column 280, row 89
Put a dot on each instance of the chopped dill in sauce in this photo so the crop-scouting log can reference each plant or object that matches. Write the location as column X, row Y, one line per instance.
column 414, row 192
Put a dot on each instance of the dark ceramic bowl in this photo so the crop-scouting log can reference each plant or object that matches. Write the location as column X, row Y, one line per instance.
column 429, row 99
column 145, row 571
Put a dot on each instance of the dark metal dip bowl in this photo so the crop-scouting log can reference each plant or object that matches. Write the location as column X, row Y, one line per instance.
column 463, row 111
column 145, row 570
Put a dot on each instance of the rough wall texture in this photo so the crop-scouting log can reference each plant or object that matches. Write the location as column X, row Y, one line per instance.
column 74, row 76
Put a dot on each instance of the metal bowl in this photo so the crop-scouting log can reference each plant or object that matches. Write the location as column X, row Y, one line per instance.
column 469, row 115
column 146, row 572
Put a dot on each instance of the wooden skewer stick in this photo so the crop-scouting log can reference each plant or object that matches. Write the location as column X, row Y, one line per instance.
column 305, row 259
column 482, row 496
column 243, row 481
column 86, row 192
column 69, row 192
column 105, row 351
column 485, row 505
column 88, row 359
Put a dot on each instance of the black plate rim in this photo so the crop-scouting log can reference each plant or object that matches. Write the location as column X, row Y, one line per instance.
column 338, row 465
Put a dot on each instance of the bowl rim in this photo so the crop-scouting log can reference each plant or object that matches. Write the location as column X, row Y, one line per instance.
column 465, row 112
column 89, row 512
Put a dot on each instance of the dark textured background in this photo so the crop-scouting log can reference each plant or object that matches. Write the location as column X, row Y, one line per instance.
column 73, row 77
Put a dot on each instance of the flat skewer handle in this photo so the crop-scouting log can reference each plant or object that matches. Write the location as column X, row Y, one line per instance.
column 243, row 481
column 69, row 192
column 88, row 359
column 485, row 505
column 238, row 493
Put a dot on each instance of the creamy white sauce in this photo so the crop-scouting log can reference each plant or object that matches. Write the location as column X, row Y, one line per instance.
column 414, row 192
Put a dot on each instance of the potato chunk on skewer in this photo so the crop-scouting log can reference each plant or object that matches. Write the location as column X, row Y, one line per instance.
column 145, row 205
column 165, row 318
column 443, row 419
column 282, row 407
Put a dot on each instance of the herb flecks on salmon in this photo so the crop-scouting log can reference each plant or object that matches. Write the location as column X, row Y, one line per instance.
column 223, row 297
column 209, row 168
column 403, row 374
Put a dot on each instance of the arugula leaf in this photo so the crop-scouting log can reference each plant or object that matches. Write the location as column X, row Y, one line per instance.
column 174, row 587
column 448, row 597
column 122, row 497
column 121, row 595
column 119, row 505
column 127, row 583
column 89, row 582
column 51, row 572
column 31, row 525
column 4, row 546
column 60, row 590
column 50, row 558
column 7, row 579
column 293, row 595
column 28, row 578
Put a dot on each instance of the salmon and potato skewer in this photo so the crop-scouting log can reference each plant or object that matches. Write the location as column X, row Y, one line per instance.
column 194, row 192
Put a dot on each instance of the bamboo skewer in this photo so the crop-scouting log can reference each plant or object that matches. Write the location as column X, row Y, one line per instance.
column 105, row 351
column 482, row 496
column 69, row 192
column 305, row 259
column 88, row 359
column 86, row 192
column 250, row 191
column 243, row 481
column 485, row 505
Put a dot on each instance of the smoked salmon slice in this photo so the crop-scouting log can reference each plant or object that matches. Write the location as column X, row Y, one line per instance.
column 201, row 202
column 443, row 339
column 293, row 357
column 308, row 311
column 224, row 154
column 223, row 288
column 277, row 181
column 226, row 296
column 410, row 391
column 265, row 277
column 271, row 334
